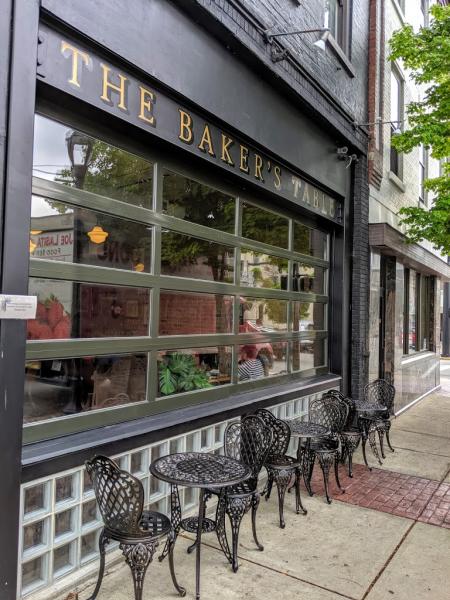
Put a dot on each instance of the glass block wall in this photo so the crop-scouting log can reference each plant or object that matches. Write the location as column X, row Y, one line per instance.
column 61, row 523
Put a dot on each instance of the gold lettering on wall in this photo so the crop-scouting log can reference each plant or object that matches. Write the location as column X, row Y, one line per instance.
column 243, row 159
column 107, row 86
column 186, row 134
column 78, row 58
column 316, row 198
column 226, row 143
column 277, row 175
column 258, row 167
column 147, row 99
column 332, row 207
column 297, row 183
column 306, row 194
column 85, row 71
column 206, row 141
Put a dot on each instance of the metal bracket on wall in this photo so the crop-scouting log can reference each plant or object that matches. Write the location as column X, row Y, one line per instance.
column 278, row 54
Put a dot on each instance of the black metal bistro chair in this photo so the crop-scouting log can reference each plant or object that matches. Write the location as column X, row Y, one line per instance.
column 120, row 498
column 330, row 412
column 382, row 392
column 248, row 441
column 350, row 436
column 280, row 467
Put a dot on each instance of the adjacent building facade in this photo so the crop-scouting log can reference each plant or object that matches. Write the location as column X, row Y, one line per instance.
column 181, row 188
column 406, row 280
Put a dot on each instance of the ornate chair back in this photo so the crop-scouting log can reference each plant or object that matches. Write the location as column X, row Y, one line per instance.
column 381, row 392
column 281, row 433
column 248, row 441
column 336, row 393
column 329, row 411
column 120, row 496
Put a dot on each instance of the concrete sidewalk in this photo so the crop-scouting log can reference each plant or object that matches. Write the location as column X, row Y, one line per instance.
column 344, row 550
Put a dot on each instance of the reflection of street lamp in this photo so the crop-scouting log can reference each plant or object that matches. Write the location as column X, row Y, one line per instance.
column 79, row 149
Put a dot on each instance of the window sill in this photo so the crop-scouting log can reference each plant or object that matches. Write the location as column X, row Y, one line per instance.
column 396, row 181
column 399, row 11
column 341, row 56
column 41, row 459
column 410, row 358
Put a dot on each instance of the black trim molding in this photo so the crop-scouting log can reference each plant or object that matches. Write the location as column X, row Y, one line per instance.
column 45, row 458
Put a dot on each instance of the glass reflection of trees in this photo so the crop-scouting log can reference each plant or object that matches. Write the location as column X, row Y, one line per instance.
column 75, row 159
column 264, row 226
column 196, row 202
column 262, row 270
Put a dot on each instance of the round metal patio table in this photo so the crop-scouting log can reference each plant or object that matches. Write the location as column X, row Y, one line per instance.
column 308, row 431
column 197, row 470
column 367, row 413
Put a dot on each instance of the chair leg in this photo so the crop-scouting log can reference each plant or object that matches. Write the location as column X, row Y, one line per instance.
column 236, row 509
column 298, row 500
column 175, row 518
column 344, row 451
column 255, row 503
column 102, row 542
column 336, row 473
column 269, row 486
column 171, row 540
column 138, row 557
column 309, row 458
column 282, row 480
column 373, row 442
column 389, row 441
column 350, row 464
column 220, row 527
column 381, row 438
column 325, row 460
column 364, row 441
column 352, row 442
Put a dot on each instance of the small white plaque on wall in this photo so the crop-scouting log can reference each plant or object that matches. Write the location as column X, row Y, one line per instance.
column 17, row 307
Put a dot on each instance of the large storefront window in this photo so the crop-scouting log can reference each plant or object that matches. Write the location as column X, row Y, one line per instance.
column 157, row 290
column 418, row 311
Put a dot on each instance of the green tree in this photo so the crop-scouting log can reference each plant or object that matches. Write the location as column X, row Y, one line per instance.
column 427, row 55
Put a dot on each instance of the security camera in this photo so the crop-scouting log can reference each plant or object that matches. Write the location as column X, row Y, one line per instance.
column 342, row 151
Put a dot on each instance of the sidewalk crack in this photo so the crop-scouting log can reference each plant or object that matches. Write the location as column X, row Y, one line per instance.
column 405, row 535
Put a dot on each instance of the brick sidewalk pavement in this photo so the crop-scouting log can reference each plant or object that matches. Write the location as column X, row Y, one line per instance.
column 398, row 494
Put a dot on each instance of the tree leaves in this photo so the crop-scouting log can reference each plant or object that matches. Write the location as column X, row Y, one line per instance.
column 427, row 55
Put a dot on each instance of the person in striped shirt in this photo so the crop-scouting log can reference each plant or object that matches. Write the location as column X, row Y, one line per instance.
column 250, row 366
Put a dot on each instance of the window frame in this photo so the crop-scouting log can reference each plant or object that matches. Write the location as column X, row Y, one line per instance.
column 342, row 37
column 424, row 318
column 152, row 344
column 423, row 174
column 396, row 158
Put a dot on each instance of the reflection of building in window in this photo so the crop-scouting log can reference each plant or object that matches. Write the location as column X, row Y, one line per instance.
column 62, row 387
column 192, row 314
column 189, row 278
column 263, row 270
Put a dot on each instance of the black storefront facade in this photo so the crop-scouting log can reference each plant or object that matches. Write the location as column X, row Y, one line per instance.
column 187, row 213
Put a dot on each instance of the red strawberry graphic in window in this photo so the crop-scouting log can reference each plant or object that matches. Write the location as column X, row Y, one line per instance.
column 62, row 329
column 55, row 311
column 44, row 332
column 41, row 312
